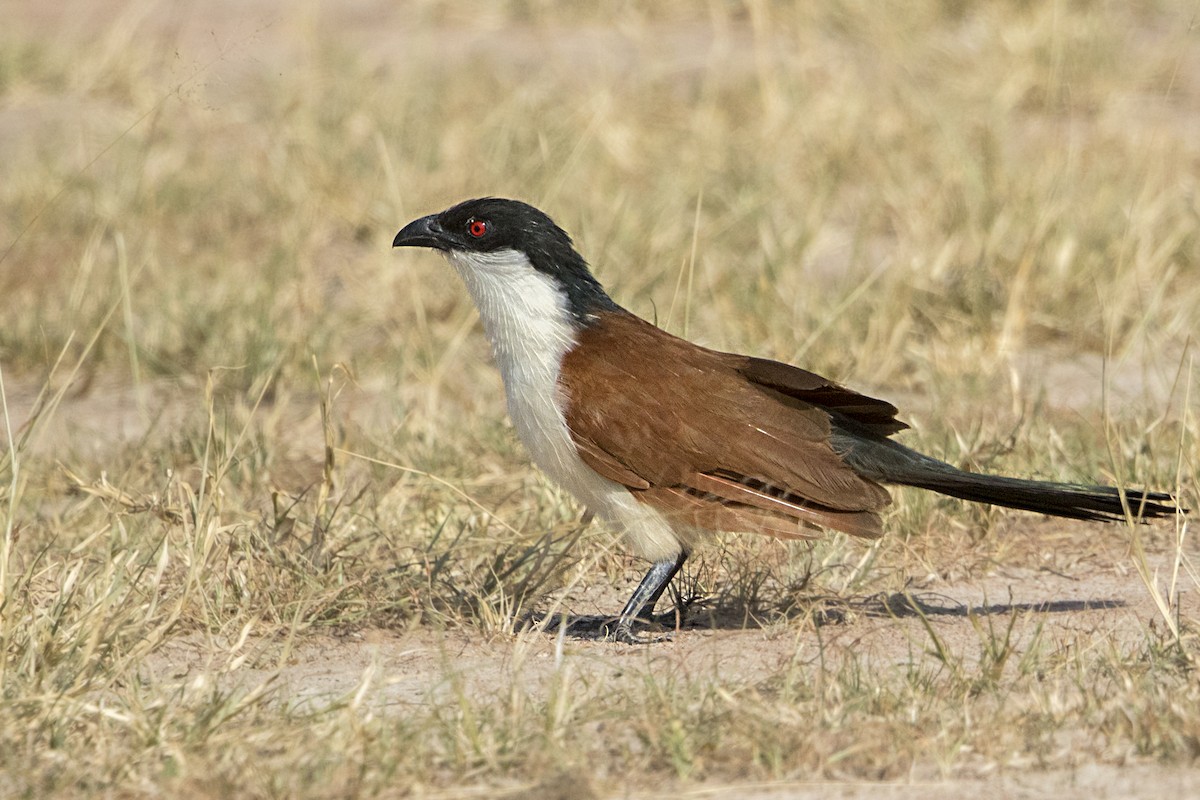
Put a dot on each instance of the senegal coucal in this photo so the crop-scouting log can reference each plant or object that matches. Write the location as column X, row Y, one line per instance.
column 670, row 441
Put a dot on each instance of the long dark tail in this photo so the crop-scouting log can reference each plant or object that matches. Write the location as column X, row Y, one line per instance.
column 1070, row 500
column 890, row 462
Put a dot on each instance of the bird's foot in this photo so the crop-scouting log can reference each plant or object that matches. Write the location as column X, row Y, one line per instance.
column 623, row 632
column 601, row 628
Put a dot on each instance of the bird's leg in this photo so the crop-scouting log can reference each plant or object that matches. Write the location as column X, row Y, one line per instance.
column 645, row 596
column 647, row 610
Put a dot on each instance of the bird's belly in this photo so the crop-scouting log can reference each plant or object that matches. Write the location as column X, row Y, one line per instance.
column 542, row 428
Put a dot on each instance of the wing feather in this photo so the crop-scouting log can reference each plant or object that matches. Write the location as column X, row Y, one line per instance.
column 688, row 431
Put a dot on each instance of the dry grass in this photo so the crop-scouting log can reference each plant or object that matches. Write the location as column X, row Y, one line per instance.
column 234, row 419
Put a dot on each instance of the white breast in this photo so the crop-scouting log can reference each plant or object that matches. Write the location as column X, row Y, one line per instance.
column 527, row 321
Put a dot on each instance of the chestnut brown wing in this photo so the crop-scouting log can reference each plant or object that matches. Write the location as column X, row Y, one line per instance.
column 687, row 431
column 878, row 416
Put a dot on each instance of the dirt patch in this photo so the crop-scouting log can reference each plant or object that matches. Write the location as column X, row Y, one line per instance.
column 393, row 669
column 400, row 672
column 1096, row 781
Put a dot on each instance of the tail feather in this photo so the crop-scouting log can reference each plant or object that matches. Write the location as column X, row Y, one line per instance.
column 887, row 461
column 1073, row 501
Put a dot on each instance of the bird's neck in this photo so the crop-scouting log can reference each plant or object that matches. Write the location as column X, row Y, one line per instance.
column 527, row 319
column 525, row 315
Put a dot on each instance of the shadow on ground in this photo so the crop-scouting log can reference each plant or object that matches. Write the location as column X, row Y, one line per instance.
column 726, row 616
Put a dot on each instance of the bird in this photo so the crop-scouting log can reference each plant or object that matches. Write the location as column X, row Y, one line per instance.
column 669, row 441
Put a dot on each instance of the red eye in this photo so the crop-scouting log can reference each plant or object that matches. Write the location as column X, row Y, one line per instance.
column 477, row 228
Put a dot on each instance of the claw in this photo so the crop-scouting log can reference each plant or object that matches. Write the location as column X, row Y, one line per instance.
column 623, row 633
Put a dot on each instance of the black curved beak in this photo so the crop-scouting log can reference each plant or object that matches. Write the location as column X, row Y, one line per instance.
column 423, row 232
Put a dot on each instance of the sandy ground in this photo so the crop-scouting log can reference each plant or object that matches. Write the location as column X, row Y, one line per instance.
column 393, row 672
column 393, row 669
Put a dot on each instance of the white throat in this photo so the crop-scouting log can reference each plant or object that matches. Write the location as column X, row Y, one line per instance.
column 527, row 320
column 524, row 314
column 525, row 317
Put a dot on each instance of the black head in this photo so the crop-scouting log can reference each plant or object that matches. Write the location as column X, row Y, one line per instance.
column 491, row 224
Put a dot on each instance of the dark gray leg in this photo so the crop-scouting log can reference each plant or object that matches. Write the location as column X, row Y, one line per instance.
column 645, row 596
